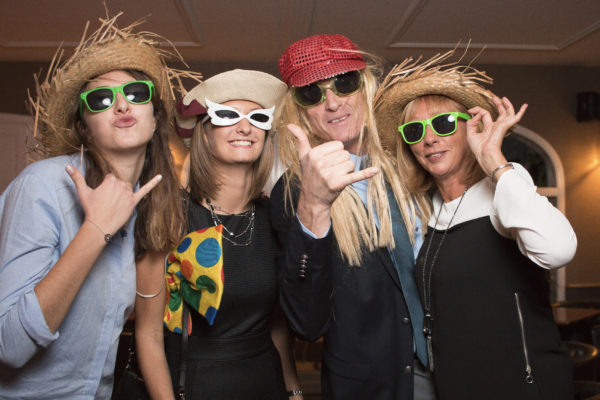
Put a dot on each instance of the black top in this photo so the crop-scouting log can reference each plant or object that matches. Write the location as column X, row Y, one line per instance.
column 250, row 291
column 491, row 318
column 235, row 358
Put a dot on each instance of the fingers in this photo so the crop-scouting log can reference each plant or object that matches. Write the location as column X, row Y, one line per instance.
column 353, row 177
column 78, row 180
column 480, row 114
column 507, row 111
column 144, row 190
column 506, row 115
column 302, row 140
column 521, row 111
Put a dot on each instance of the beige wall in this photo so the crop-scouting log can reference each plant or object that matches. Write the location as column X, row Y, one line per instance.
column 551, row 94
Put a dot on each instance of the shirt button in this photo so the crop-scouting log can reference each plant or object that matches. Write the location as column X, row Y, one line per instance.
column 406, row 320
column 408, row 369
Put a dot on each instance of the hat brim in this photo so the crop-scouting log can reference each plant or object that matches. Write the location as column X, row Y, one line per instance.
column 452, row 83
column 328, row 69
column 109, row 48
column 238, row 84
column 127, row 54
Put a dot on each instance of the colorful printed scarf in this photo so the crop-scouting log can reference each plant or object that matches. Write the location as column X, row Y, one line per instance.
column 195, row 275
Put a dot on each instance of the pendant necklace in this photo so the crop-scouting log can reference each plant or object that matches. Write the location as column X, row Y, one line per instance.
column 428, row 319
column 230, row 236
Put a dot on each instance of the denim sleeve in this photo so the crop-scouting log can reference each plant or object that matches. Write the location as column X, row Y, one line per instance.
column 309, row 233
column 30, row 221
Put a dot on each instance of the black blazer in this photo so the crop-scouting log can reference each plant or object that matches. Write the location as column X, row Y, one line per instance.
column 360, row 311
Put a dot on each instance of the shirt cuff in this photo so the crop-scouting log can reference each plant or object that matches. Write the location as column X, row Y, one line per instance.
column 34, row 322
column 309, row 233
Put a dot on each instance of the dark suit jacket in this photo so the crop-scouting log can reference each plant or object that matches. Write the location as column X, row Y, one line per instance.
column 360, row 311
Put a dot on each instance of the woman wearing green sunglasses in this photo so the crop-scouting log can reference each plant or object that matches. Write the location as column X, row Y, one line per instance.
column 67, row 257
column 482, row 268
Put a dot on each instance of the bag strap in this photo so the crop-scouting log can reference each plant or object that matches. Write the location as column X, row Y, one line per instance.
column 132, row 364
column 183, row 357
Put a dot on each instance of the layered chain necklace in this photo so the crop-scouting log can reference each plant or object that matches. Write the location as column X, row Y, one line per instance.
column 427, row 275
column 235, row 238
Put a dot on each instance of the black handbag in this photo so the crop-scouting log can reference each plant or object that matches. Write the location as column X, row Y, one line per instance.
column 131, row 385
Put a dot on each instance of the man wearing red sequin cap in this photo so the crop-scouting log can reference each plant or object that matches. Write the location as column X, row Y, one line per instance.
column 349, row 228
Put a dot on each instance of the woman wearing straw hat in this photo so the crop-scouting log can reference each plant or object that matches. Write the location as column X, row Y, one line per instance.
column 223, row 272
column 348, row 227
column 67, row 260
column 482, row 268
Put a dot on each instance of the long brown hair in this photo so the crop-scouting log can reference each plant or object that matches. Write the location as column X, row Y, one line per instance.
column 159, row 223
column 204, row 177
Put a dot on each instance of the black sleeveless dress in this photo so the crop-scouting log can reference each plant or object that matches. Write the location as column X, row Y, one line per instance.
column 235, row 357
column 494, row 335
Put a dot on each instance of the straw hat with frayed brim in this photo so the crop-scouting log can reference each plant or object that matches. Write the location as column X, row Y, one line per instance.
column 108, row 48
column 411, row 79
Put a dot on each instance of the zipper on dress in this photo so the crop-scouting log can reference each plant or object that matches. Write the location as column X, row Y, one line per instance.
column 528, row 370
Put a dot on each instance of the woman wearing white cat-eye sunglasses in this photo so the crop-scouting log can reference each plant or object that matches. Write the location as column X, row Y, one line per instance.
column 224, row 115
column 228, row 118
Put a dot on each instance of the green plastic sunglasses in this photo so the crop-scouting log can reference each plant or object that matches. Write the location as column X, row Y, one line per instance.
column 443, row 124
column 102, row 98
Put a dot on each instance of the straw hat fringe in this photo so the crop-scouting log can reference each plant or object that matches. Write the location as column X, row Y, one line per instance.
column 106, row 49
column 414, row 78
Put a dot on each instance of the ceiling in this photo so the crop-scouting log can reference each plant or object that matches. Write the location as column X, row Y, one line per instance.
column 525, row 32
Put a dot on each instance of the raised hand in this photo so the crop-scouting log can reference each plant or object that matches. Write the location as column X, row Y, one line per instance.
column 486, row 144
column 326, row 170
column 110, row 205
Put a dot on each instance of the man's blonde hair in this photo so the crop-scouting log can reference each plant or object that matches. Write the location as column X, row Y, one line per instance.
column 354, row 225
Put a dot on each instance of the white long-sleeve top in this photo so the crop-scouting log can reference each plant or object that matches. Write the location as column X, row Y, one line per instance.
column 517, row 211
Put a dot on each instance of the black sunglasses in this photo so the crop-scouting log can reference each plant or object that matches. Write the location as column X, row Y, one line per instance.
column 345, row 84
column 102, row 98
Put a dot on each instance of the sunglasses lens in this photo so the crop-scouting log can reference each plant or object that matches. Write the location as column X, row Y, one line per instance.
column 444, row 124
column 227, row 114
column 100, row 99
column 308, row 95
column 347, row 83
column 412, row 132
column 137, row 92
column 259, row 117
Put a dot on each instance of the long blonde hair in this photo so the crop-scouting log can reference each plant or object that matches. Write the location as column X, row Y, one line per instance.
column 417, row 178
column 354, row 225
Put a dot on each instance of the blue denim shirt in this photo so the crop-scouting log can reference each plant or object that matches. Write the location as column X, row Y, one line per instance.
column 40, row 214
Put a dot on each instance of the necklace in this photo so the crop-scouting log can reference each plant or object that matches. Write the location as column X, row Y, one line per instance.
column 428, row 319
column 230, row 236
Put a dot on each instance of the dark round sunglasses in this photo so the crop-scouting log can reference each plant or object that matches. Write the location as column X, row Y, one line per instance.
column 442, row 124
column 102, row 98
column 345, row 84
